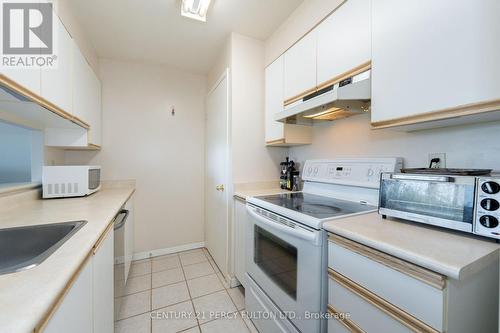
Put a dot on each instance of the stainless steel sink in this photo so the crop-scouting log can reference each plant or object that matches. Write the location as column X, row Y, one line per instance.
column 26, row 247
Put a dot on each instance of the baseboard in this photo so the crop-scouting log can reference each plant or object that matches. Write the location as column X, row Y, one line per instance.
column 168, row 250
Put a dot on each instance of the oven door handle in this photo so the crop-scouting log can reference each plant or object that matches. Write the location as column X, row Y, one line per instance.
column 296, row 232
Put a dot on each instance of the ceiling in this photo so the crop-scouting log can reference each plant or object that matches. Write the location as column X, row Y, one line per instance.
column 154, row 31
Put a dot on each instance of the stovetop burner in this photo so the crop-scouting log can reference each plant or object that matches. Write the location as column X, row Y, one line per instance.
column 317, row 206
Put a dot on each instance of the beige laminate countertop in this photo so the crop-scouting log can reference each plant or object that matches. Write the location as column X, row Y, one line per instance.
column 27, row 297
column 452, row 254
column 244, row 194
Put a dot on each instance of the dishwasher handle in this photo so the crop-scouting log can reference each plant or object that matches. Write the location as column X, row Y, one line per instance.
column 120, row 225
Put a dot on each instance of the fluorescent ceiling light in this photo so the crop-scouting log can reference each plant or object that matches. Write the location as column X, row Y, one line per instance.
column 195, row 9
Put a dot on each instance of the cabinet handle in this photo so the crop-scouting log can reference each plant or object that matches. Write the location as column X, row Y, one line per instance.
column 389, row 309
column 220, row 187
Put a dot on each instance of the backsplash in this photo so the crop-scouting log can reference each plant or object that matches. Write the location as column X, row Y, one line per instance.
column 471, row 146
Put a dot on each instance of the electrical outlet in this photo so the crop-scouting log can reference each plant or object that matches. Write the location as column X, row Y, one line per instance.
column 442, row 159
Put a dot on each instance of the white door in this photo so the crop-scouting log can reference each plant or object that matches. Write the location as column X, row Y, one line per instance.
column 216, row 178
column 300, row 67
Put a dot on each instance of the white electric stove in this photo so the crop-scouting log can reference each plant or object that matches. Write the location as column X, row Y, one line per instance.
column 287, row 247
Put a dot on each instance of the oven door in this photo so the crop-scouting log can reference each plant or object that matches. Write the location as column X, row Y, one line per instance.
column 286, row 260
column 445, row 201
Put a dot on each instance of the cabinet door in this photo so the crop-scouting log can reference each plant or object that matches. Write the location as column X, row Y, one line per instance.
column 430, row 56
column 103, row 263
column 57, row 82
column 274, row 100
column 27, row 78
column 129, row 235
column 95, row 111
column 240, row 220
column 75, row 312
column 344, row 40
column 300, row 67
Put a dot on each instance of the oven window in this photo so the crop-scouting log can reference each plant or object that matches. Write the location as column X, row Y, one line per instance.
column 277, row 259
column 447, row 201
column 94, row 178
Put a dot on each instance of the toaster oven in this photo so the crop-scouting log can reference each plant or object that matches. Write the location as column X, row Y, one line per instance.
column 465, row 203
column 70, row 180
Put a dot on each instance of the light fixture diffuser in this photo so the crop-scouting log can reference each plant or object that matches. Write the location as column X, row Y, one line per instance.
column 195, row 9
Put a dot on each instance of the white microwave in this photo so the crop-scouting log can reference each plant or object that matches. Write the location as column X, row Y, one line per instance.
column 70, row 180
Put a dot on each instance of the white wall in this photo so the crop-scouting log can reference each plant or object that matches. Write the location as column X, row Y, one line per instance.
column 65, row 11
column 472, row 146
column 252, row 160
column 163, row 153
column 305, row 17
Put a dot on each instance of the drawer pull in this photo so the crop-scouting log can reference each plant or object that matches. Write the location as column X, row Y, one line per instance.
column 349, row 324
column 431, row 278
column 388, row 308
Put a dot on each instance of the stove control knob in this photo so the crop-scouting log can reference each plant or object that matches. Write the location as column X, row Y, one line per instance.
column 309, row 170
column 489, row 221
column 490, row 187
column 490, row 204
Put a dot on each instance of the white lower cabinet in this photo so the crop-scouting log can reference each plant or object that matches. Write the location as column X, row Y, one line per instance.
column 75, row 312
column 88, row 307
column 103, row 286
column 240, row 220
column 376, row 292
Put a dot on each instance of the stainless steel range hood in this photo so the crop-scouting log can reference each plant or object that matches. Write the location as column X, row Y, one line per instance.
column 343, row 99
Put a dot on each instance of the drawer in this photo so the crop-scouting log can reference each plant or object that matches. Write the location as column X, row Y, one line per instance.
column 411, row 288
column 338, row 325
column 371, row 313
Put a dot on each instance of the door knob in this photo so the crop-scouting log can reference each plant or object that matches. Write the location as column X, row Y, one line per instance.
column 220, row 187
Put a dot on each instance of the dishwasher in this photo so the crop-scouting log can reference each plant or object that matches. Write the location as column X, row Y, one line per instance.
column 122, row 255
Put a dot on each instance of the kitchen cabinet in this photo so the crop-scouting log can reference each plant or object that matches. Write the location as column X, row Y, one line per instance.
column 29, row 79
column 57, row 83
column 427, row 65
column 278, row 133
column 87, row 96
column 75, row 313
column 103, row 285
column 383, row 293
column 240, row 220
column 344, row 41
column 300, row 68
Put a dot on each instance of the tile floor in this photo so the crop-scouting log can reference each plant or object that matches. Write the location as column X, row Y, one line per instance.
column 182, row 292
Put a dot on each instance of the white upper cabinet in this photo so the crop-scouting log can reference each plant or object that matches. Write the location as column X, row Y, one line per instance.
column 26, row 78
column 277, row 133
column 57, row 82
column 344, row 40
column 87, row 96
column 433, row 57
column 300, row 67
column 274, row 100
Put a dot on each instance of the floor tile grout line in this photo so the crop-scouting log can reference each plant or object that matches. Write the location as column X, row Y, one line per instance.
column 190, row 296
column 151, row 299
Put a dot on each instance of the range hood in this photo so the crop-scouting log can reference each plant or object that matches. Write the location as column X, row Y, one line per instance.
column 343, row 99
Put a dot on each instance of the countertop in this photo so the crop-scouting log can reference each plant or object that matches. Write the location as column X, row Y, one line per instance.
column 27, row 297
column 453, row 254
column 244, row 194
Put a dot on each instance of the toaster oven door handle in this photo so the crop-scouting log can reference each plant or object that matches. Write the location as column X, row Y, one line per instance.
column 125, row 212
column 443, row 179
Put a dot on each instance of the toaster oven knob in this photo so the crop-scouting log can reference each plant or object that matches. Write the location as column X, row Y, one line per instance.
column 489, row 221
column 490, row 204
column 490, row 187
